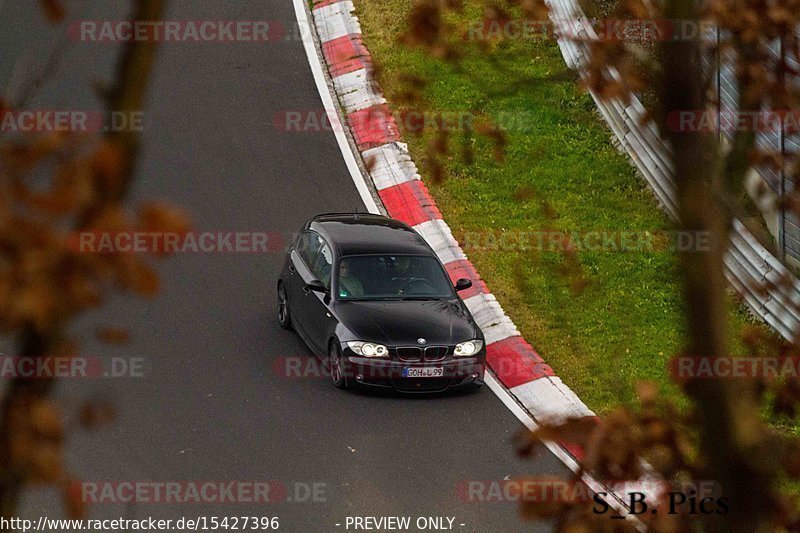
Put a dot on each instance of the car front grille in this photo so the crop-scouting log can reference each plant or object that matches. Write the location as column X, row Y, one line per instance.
column 416, row 353
column 435, row 353
column 409, row 353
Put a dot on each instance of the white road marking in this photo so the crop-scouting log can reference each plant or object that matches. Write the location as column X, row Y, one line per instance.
column 556, row 449
column 489, row 315
column 391, row 165
column 550, row 401
column 437, row 233
column 499, row 390
column 327, row 101
column 356, row 91
column 337, row 21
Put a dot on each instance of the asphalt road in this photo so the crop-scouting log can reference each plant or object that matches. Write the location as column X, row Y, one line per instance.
column 210, row 405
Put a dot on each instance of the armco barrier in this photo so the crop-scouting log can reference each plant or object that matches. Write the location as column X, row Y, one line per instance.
column 764, row 283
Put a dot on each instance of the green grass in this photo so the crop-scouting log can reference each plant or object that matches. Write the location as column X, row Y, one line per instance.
column 561, row 172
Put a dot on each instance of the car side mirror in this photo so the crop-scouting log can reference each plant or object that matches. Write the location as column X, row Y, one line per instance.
column 316, row 286
column 462, row 284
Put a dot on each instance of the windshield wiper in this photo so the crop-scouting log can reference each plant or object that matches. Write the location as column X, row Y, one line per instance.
column 421, row 298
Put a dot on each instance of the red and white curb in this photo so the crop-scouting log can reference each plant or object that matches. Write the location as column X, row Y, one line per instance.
column 525, row 380
column 398, row 183
column 527, row 385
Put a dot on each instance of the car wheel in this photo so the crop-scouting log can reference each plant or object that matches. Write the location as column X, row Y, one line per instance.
column 284, row 315
column 336, row 367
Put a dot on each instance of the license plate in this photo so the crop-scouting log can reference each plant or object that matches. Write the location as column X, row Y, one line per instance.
column 423, row 372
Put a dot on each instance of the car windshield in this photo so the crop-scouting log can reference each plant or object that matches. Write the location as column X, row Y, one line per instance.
column 392, row 277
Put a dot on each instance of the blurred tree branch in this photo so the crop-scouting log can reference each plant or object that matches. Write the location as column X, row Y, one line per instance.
column 44, row 283
column 723, row 437
column 731, row 434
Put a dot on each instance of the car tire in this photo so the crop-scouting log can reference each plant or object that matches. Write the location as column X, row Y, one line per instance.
column 284, row 315
column 337, row 373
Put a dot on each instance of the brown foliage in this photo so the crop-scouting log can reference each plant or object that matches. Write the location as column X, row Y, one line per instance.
column 720, row 434
column 53, row 10
column 44, row 278
column 52, row 188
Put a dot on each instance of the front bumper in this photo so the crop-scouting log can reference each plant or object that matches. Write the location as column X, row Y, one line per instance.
column 387, row 373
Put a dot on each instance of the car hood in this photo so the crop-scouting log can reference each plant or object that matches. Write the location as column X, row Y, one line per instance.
column 401, row 323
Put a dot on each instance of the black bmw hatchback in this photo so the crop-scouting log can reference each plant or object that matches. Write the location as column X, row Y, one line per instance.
column 369, row 295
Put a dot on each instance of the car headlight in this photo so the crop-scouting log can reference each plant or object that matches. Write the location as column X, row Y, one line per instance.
column 368, row 349
column 465, row 349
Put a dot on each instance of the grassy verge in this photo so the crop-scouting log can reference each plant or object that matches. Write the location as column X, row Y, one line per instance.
column 617, row 320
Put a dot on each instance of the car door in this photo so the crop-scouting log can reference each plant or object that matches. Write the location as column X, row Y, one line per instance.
column 301, row 258
column 320, row 319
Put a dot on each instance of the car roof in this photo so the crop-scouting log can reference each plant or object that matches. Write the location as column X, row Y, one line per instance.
column 363, row 233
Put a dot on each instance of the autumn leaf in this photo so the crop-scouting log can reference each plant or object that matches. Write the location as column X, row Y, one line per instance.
column 110, row 335
column 143, row 280
column 72, row 498
column 425, row 24
column 53, row 10
column 109, row 164
column 94, row 414
column 163, row 217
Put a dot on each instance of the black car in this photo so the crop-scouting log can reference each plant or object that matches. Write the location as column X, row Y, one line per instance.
column 369, row 295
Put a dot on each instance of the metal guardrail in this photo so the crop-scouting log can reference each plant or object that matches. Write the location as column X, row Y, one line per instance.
column 783, row 139
column 764, row 283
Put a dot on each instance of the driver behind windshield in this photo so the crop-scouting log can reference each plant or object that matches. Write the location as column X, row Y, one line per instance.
column 402, row 274
column 349, row 285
